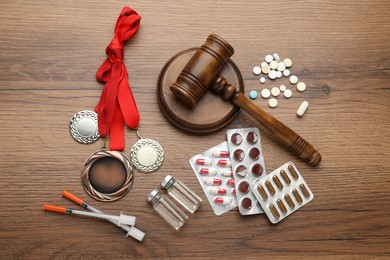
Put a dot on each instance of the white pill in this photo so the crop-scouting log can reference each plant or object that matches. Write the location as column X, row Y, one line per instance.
column 279, row 74
column 282, row 88
column 262, row 80
column 268, row 58
column 281, row 66
column 293, row 79
column 217, row 191
column 275, row 91
column 263, row 64
column 286, row 72
column 256, row 70
column 302, row 108
column 272, row 74
column 273, row 65
column 265, row 93
column 276, row 57
column 301, row 86
column 265, row 69
column 287, row 93
column 287, row 62
column 223, row 201
column 272, row 103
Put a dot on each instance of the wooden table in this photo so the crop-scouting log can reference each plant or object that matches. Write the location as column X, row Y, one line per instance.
column 50, row 51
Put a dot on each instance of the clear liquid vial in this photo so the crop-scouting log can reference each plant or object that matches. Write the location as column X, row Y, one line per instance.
column 167, row 209
column 181, row 193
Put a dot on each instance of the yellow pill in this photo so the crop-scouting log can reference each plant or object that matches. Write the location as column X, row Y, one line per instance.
column 270, row 187
column 297, row 196
column 289, row 201
column 262, row 192
column 285, row 177
column 293, row 172
column 277, row 182
column 304, row 190
column 274, row 211
column 281, row 206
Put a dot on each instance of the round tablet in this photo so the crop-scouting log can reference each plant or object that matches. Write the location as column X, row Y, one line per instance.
column 243, row 187
column 287, row 62
column 246, row 203
column 241, row 171
column 281, row 66
column 265, row 69
column 265, row 93
column 253, row 94
column 256, row 70
column 301, row 86
column 275, row 91
column 239, row 155
column 287, row 93
column 273, row 65
column 269, row 58
column 293, row 79
column 272, row 103
column 286, row 72
column 272, row 74
column 262, row 80
column 263, row 63
column 252, row 137
column 282, row 88
column 236, row 139
column 257, row 169
column 254, row 153
column 279, row 74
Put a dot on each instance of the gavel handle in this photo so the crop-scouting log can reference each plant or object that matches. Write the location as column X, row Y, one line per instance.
column 280, row 131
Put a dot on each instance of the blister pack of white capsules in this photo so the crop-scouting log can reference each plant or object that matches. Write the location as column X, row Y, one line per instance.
column 248, row 165
column 282, row 192
column 212, row 168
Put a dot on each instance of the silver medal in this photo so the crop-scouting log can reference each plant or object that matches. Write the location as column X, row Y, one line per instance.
column 146, row 155
column 84, row 127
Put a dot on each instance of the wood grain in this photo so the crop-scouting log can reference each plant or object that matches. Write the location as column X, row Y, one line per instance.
column 50, row 51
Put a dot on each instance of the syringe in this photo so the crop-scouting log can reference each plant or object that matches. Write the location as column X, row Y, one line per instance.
column 130, row 230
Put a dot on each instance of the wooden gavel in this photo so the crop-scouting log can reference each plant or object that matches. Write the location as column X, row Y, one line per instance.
column 201, row 72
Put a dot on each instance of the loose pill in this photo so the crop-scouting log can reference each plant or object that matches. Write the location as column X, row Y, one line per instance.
column 286, row 72
column 246, row 203
column 230, row 182
column 274, row 211
column 277, row 182
column 212, row 181
column 289, row 201
column 220, row 153
column 304, row 190
column 276, row 57
column 256, row 70
column 272, row 74
column 236, row 139
column 265, row 93
column 208, row 171
column 206, row 162
column 268, row 58
column 279, row 74
column 226, row 173
column 265, row 69
column 301, row 86
column 272, row 103
column 285, row 177
column 241, row 171
column 262, row 80
column 297, row 196
column 274, row 65
column 293, row 79
column 281, row 206
column 243, row 187
column 270, row 187
column 257, row 170
column 262, row 192
column 287, row 93
column 223, row 201
column 287, row 62
column 263, row 63
column 253, row 94
column 275, row 91
column 224, row 163
column 302, row 108
column 282, row 88
column 217, row 191
column 281, row 66
column 292, row 172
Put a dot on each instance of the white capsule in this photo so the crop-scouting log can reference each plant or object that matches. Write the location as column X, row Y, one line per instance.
column 256, row 70
column 268, row 58
column 272, row 74
column 265, row 69
column 287, row 62
column 217, row 191
column 205, row 161
column 282, row 88
column 224, row 163
column 275, row 91
column 301, row 86
column 279, row 74
column 212, row 181
column 220, row 153
column 265, row 93
column 208, row 171
column 226, row 173
column 302, row 108
column 287, row 93
column 276, row 57
column 222, row 201
column 281, row 66
column 286, row 72
column 262, row 80
column 272, row 103
column 293, row 79
column 273, row 65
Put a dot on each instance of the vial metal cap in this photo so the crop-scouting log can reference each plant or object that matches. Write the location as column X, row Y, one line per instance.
column 84, row 127
column 166, row 182
column 153, row 195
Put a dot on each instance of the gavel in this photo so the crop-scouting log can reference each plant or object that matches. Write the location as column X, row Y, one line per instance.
column 202, row 72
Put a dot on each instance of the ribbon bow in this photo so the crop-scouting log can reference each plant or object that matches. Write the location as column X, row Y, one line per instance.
column 117, row 104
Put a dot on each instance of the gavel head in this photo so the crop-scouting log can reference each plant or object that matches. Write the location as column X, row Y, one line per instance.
column 201, row 69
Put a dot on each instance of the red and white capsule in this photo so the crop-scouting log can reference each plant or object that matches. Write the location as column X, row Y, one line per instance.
column 217, row 191
column 208, row 171
column 220, row 153
column 230, row 182
column 224, row 163
column 224, row 201
column 205, row 161
column 226, row 173
column 212, row 181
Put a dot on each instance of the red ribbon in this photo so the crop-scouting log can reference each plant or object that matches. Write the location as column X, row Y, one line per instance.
column 117, row 104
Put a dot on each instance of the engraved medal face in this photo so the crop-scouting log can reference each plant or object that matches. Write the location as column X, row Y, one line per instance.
column 84, row 127
column 147, row 155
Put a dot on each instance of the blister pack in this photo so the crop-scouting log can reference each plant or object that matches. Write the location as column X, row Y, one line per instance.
column 247, row 164
column 282, row 192
column 212, row 168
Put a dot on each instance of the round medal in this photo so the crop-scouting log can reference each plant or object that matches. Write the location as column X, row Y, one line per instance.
column 147, row 155
column 84, row 127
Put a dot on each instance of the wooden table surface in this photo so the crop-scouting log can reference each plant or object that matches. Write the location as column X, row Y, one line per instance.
column 50, row 51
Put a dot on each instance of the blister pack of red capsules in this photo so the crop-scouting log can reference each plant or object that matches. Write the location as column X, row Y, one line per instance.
column 248, row 166
column 214, row 173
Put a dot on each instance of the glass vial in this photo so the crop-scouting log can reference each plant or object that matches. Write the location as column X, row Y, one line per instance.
column 167, row 209
column 181, row 193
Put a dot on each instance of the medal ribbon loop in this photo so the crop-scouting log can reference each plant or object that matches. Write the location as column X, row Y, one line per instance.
column 117, row 104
